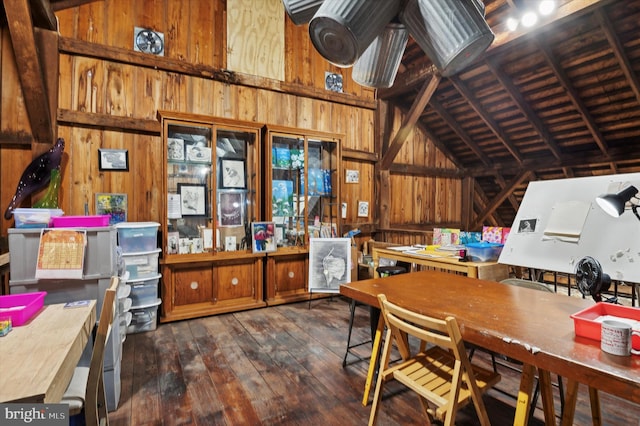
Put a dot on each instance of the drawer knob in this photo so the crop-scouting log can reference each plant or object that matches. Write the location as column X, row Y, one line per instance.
column 194, row 285
column 291, row 274
column 234, row 281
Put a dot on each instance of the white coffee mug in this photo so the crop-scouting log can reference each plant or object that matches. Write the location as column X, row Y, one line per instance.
column 616, row 338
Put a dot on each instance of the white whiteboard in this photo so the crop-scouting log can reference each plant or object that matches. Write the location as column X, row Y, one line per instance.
column 614, row 242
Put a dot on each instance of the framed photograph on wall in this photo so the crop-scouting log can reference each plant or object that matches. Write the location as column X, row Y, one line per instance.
column 233, row 174
column 230, row 208
column 193, row 199
column 115, row 205
column 329, row 264
column 113, row 159
column 263, row 238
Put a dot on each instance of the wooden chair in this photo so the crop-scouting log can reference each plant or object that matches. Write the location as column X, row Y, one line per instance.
column 441, row 375
column 86, row 390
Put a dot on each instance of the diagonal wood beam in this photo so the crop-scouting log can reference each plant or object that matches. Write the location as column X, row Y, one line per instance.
column 526, row 110
column 29, row 69
column 512, row 199
column 485, row 116
column 573, row 95
column 618, row 51
column 503, row 195
column 42, row 15
column 437, row 106
column 419, row 104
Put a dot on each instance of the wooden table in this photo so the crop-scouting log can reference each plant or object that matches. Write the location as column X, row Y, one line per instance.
column 484, row 270
column 39, row 357
column 491, row 314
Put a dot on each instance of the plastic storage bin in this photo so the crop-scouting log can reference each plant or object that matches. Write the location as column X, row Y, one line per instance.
column 141, row 265
column 484, row 251
column 144, row 291
column 135, row 237
column 80, row 221
column 21, row 307
column 35, row 218
column 144, row 318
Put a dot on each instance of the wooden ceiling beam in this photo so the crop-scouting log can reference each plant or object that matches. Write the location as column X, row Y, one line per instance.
column 503, row 195
column 484, row 115
column 511, row 198
column 30, row 69
column 67, row 4
column 419, row 104
column 437, row 106
column 573, row 95
column 440, row 145
column 618, row 51
column 523, row 106
column 42, row 15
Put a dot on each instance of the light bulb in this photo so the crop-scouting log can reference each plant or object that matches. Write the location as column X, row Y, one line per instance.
column 512, row 24
column 546, row 7
column 529, row 19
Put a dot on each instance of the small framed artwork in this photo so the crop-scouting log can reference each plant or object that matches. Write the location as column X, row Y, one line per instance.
column 113, row 159
column 363, row 208
column 233, row 174
column 329, row 264
column 198, row 154
column 193, row 199
column 263, row 238
column 175, row 149
column 115, row 205
column 352, row 176
column 231, row 208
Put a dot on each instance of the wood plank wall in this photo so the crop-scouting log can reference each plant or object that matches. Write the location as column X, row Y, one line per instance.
column 101, row 84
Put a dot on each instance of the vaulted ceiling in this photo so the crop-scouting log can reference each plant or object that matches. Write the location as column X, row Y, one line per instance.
column 559, row 100
column 562, row 100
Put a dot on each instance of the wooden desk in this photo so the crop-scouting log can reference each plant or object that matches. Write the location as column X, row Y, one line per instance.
column 490, row 313
column 38, row 358
column 484, row 270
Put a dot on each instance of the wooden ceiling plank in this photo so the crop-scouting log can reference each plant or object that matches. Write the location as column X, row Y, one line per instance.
column 30, row 69
column 484, row 115
column 440, row 145
column 419, row 104
column 524, row 107
column 618, row 51
column 573, row 95
column 503, row 195
column 437, row 106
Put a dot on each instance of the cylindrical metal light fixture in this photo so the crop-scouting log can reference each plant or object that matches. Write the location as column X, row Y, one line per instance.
column 341, row 30
column 378, row 65
column 301, row 11
column 453, row 33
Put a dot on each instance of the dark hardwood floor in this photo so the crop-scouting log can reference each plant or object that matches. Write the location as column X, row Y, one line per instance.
column 283, row 366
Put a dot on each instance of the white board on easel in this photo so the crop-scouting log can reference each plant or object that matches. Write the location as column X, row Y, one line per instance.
column 614, row 242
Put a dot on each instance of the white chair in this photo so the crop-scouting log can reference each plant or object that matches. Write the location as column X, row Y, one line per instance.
column 86, row 389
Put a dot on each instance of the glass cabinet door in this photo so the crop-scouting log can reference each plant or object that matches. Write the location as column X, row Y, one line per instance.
column 304, row 173
column 189, row 199
column 211, row 185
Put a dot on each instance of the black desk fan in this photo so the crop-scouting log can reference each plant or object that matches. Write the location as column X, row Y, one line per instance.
column 591, row 280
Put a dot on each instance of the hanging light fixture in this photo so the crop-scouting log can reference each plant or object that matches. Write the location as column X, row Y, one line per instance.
column 301, row 11
column 453, row 33
column 341, row 30
column 378, row 65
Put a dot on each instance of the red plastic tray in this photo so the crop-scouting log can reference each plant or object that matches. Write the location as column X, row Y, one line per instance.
column 81, row 221
column 587, row 322
column 21, row 307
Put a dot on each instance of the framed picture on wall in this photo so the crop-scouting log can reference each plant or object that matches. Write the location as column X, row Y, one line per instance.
column 113, row 159
column 193, row 199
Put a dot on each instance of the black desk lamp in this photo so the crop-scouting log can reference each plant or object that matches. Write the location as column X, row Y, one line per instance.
column 614, row 204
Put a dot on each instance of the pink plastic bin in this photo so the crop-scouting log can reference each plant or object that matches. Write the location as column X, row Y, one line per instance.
column 81, row 221
column 586, row 322
column 21, row 307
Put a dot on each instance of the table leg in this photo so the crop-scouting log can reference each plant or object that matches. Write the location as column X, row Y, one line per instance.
column 546, row 392
column 596, row 414
column 570, row 397
column 375, row 350
column 524, row 395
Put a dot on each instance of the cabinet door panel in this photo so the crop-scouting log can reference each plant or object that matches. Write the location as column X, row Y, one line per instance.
column 193, row 285
column 235, row 282
column 290, row 276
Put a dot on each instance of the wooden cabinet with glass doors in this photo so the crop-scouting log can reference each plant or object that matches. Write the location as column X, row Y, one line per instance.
column 211, row 194
column 302, row 199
